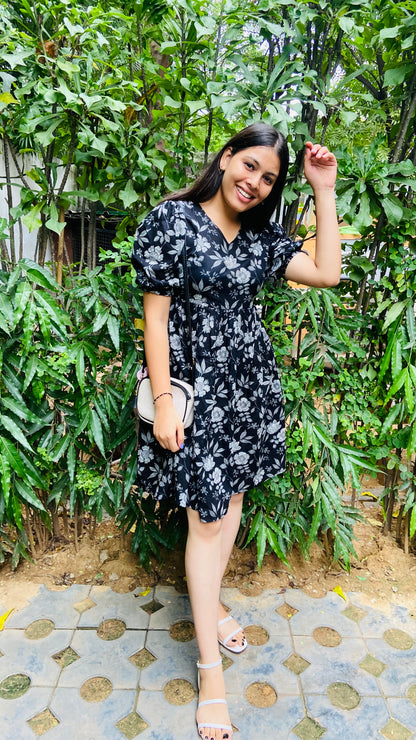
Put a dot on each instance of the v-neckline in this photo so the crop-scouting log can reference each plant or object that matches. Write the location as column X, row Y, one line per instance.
column 228, row 243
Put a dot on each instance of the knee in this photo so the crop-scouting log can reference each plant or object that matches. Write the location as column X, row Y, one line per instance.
column 204, row 530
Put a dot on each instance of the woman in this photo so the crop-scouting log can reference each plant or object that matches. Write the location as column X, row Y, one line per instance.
column 237, row 437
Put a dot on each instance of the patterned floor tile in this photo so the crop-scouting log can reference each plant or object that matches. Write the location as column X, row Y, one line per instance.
column 32, row 657
column 257, row 610
column 175, row 607
column 54, row 605
column 165, row 719
column 101, row 658
column 365, row 721
column 273, row 723
column 117, row 606
column 90, row 721
column 14, row 713
column 400, row 672
column 324, row 613
column 263, row 663
column 375, row 623
column 329, row 665
column 134, row 647
column 174, row 660
column 405, row 712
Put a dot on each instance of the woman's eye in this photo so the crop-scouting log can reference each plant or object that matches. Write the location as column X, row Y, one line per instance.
column 249, row 165
column 268, row 181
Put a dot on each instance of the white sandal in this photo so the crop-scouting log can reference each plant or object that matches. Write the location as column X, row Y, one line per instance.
column 226, row 728
column 237, row 648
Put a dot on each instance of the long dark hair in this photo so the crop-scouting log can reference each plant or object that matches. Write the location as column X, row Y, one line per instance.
column 207, row 184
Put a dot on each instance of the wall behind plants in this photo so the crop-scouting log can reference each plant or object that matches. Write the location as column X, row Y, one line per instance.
column 132, row 99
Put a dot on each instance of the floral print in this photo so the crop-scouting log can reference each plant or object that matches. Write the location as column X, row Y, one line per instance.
column 237, row 439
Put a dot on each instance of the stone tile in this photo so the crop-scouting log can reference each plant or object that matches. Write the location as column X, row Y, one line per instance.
column 54, row 605
column 174, row 660
column 257, row 610
column 176, row 607
column 42, row 722
column 354, row 612
column 373, row 665
column 308, row 729
column 375, row 623
column 111, row 605
column 101, row 658
column 165, row 719
column 264, row 663
column 297, row 598
column 14, row 713
column 329, row 665
column 32, row 657
column 400, row 670
column 273, row 723
column 89, row 721
column 325, row 612
column 365, row 721
column 394, row 730
column 405, row 712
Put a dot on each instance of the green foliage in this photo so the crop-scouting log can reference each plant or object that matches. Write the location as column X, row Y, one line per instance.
column 130, row 100
column 67, row 432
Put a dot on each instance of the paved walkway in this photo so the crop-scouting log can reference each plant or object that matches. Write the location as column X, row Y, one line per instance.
column 90, row 664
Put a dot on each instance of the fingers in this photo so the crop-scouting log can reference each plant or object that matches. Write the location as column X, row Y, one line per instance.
column 170, row 436
column 319, row 152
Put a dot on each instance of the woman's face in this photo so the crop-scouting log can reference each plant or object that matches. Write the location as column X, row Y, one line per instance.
column 249, row 176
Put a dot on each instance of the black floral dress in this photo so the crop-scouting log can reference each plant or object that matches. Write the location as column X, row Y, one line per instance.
column 237, row 439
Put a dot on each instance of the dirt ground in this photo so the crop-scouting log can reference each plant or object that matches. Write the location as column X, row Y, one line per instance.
column 382, row 572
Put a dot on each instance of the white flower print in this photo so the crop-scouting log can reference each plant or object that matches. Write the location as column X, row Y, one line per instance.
column 217, row 414
column 230, row 262
column 222, row 355
column 202, row 386
column 242, row 276
column 241, row 458
column 257, row 249
column 209, row 463
column 237, row 439
column 145, row 454
column 273, row 427
column 175, row 342
column 243, row 404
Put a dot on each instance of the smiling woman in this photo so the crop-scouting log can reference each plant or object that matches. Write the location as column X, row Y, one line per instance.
column 237, row 439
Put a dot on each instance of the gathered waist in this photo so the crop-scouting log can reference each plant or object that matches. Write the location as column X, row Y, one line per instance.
column 230, row 301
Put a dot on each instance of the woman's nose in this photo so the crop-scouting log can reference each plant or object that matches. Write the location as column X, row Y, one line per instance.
column 254, row 180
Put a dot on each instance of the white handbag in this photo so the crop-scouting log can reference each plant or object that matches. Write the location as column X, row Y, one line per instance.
column 183, row 401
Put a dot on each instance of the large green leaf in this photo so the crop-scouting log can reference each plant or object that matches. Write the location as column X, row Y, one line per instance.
column 11, row 426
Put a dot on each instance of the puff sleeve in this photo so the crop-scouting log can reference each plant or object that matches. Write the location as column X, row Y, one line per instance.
column 157, row 249
column 282, row 248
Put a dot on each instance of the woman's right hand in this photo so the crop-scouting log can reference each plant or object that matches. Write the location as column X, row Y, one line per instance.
column 167, row 427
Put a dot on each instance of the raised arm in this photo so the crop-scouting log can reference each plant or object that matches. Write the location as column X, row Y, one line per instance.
column 325, row 269
column 167, row 428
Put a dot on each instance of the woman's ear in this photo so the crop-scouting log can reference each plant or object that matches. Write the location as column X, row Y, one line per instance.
column 225, row 158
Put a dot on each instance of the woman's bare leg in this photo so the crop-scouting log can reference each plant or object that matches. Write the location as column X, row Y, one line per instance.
column 203, row 573
column 230, row 527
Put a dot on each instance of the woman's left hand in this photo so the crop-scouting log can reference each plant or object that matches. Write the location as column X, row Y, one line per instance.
column 320, row 166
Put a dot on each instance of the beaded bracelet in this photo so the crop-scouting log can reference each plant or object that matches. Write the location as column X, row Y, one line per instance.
column 165, row 393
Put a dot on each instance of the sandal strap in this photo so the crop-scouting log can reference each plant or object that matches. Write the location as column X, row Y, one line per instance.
column 223, row 621
column 210, row 665
column 232, row 634
column 211, row 701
